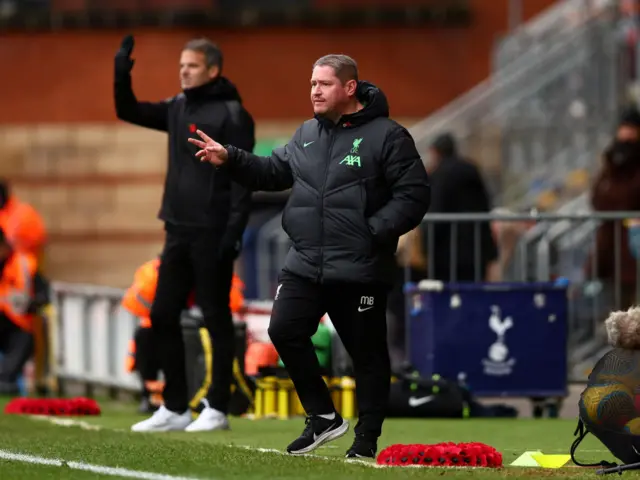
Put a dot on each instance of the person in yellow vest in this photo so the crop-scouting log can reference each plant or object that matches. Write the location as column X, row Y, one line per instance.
column 16, row 313
column 142, row 357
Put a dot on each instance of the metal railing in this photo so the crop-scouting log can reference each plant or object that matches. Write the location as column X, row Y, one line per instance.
column 547, row 110
column 90, row 334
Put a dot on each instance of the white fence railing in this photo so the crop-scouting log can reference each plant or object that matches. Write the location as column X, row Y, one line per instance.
column 91, row 332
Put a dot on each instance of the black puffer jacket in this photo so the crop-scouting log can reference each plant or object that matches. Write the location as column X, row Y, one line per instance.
column 357, row 186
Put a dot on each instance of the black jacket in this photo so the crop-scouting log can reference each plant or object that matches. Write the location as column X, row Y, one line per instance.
column 195, row 193
column 356, row 188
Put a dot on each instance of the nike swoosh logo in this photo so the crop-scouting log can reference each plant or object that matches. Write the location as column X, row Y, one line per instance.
column 416, row 402
column 306, row 144
column 361, row 309
column 316, row 436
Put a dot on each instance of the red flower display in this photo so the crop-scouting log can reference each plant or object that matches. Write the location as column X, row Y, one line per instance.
column 53, row 406
column 446, row 454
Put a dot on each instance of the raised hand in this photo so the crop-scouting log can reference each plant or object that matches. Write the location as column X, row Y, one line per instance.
column 210, row 150
column 126, row 47
column 123, row 61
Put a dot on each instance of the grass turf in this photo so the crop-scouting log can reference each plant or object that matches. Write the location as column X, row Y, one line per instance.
column 217, row 455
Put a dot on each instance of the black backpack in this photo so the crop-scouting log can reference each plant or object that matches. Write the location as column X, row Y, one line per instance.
column 623, row 446
column 412, row 396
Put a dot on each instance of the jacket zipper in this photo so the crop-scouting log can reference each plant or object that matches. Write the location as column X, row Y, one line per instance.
column 324, row 185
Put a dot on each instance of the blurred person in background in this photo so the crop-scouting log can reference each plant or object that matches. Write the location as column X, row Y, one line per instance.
column 358, row 184
column 617, row 188
column 507, row 233
column 142, row 357
column 26, row 232
column 458, row 187
column 16, row 313
column 204, row 213
column 23, row 225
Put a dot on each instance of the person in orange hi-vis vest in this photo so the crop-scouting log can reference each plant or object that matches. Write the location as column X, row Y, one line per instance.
column 16, row 313
column 141, row 357
column 26, row 232
column 22, row 224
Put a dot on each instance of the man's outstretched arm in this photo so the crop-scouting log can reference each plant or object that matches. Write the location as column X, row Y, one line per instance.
column 271, row 173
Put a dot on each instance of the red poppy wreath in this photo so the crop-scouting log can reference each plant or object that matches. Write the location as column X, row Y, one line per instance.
column 53, row 406
column 447, row 454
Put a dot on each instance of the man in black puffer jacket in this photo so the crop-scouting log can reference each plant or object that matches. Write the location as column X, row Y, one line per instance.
column 205, row 215
column 358, row 184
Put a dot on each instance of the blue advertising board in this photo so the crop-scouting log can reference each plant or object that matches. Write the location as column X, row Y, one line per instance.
column 506, row 339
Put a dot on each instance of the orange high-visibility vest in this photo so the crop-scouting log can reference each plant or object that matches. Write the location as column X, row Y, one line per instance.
column 24, row 227
column 16, row 289
column 130, row 362
column 139, row 296
column 236, row 297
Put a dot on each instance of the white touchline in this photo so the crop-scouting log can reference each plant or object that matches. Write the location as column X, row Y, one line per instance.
column 87, row 467
column 311, row 455
column 87, row 426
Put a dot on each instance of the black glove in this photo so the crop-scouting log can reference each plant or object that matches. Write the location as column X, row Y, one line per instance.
column 123, row 61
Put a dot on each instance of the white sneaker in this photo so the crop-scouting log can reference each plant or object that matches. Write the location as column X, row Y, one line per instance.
column 163, row 420
column 209, row 419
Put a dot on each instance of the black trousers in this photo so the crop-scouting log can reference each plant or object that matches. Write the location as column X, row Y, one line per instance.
column 190, row 261
column 358, row 313
column 16, row 346
column 147, row 362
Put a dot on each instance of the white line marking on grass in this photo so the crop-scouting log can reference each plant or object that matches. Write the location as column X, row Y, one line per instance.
column 87, row 467
column 309, row 455
column 67, row 422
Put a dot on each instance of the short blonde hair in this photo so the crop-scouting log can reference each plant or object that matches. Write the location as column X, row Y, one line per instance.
column 623, row 329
